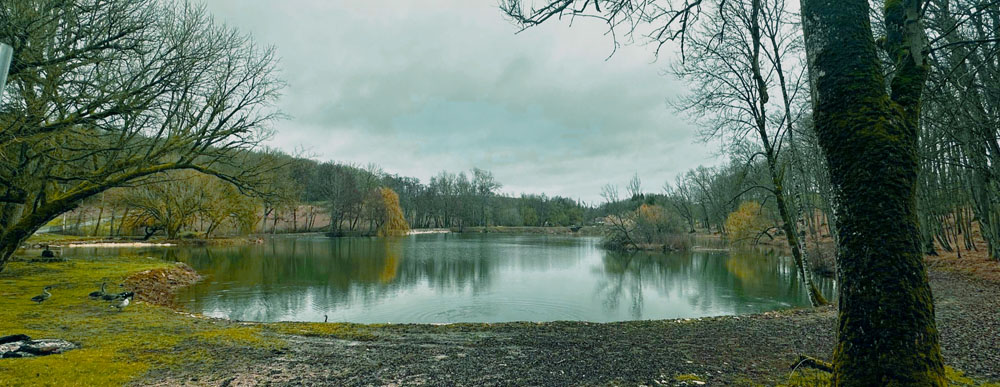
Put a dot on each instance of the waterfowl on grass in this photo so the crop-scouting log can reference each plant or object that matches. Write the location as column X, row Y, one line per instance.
column 99, row 293
column 124, row 301
column 112, row 296
column 44, row 296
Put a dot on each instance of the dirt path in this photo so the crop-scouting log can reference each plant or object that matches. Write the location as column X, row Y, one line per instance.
column 720, row 351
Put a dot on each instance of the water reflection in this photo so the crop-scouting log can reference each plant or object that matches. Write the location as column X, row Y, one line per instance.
column 452, row 277
column 709, row 283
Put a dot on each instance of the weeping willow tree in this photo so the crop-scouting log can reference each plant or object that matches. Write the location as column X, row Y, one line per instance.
column 390, row 219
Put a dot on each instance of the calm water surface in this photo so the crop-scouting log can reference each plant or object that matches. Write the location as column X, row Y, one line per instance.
column 440, row 278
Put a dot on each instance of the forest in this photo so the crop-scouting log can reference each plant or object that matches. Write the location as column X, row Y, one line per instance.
column 310, row 196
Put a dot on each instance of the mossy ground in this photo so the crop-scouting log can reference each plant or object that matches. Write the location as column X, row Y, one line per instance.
column 116, row 347
column 343, row 331
column 56, row 239
column 814, row 378
column 63, row 240
column 119, row 347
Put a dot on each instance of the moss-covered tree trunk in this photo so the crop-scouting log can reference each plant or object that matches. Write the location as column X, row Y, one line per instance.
column 15, row 231
column 886, row 330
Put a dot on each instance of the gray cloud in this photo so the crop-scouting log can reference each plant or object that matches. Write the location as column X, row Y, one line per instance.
column 418, row 87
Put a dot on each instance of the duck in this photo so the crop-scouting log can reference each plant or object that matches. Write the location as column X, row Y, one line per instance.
column 99, row 293
column 124, row 301
column 44, row 296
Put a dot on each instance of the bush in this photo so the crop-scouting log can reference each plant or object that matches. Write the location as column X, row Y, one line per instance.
column 649, row 227
column 746, row 223
column 619, row 232
column 188, row 235
column 654, row 224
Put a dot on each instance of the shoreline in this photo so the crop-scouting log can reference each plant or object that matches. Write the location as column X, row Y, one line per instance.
column 811, row 329
column 747, row 350
column 67, row 241
column 723, row 350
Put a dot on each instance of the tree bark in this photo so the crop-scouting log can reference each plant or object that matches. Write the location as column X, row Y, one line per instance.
column 886, row 330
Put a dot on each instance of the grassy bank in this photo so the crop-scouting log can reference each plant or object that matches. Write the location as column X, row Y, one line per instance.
column 116, row 347
column 151, row 344
column 38, row 241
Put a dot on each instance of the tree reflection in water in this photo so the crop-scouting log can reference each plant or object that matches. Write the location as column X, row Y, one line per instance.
column 709, row 281
column 474, row 277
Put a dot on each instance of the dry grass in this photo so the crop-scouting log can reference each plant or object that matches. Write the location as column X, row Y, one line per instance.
column 975, row 262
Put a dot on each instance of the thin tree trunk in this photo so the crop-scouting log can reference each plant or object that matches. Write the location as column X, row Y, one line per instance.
column 121, row 226
column 97, row 225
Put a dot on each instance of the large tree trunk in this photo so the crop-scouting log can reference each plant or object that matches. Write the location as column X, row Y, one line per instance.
column 13, row 235
column 886, row 332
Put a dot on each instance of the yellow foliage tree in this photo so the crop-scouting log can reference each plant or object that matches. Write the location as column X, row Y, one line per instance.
column 392, row 222
column 653, row 223
column 744, row 224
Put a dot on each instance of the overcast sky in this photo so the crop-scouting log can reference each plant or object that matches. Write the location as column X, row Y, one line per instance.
column 420, row 87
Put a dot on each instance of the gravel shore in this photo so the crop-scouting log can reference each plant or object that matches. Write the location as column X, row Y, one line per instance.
column 740, row 350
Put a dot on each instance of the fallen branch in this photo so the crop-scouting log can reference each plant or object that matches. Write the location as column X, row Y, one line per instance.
column 811, row 362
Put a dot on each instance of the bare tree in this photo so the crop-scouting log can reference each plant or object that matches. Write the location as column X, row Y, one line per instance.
column 104, row 92
column 634, row 187
column 486, row 186
column 887, row 333
column 733, row 71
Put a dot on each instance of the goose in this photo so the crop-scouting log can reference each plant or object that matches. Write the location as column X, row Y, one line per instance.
column 112, row 296
column 124, row 301
column 44, row 296
column 99, row 293
column 325, row 317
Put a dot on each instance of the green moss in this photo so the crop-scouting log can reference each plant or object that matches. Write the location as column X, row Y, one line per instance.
column 688, row 378
column 807, row 378
column 958, row 378
column 247, row 336
column 743, row 381
column 116, row 347
column 815, row 378
column 344, row 331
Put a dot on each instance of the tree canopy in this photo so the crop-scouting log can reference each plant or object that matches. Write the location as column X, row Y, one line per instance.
column 103, row 94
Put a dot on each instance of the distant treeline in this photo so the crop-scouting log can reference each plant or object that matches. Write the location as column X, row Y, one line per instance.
column 447, row 200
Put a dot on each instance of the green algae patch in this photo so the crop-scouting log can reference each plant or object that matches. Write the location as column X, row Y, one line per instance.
column 814, row 378
column 116, row 347
column 689, row 378
column 343, row 331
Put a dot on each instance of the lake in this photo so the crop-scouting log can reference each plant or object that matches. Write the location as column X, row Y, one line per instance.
column 444, row 278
